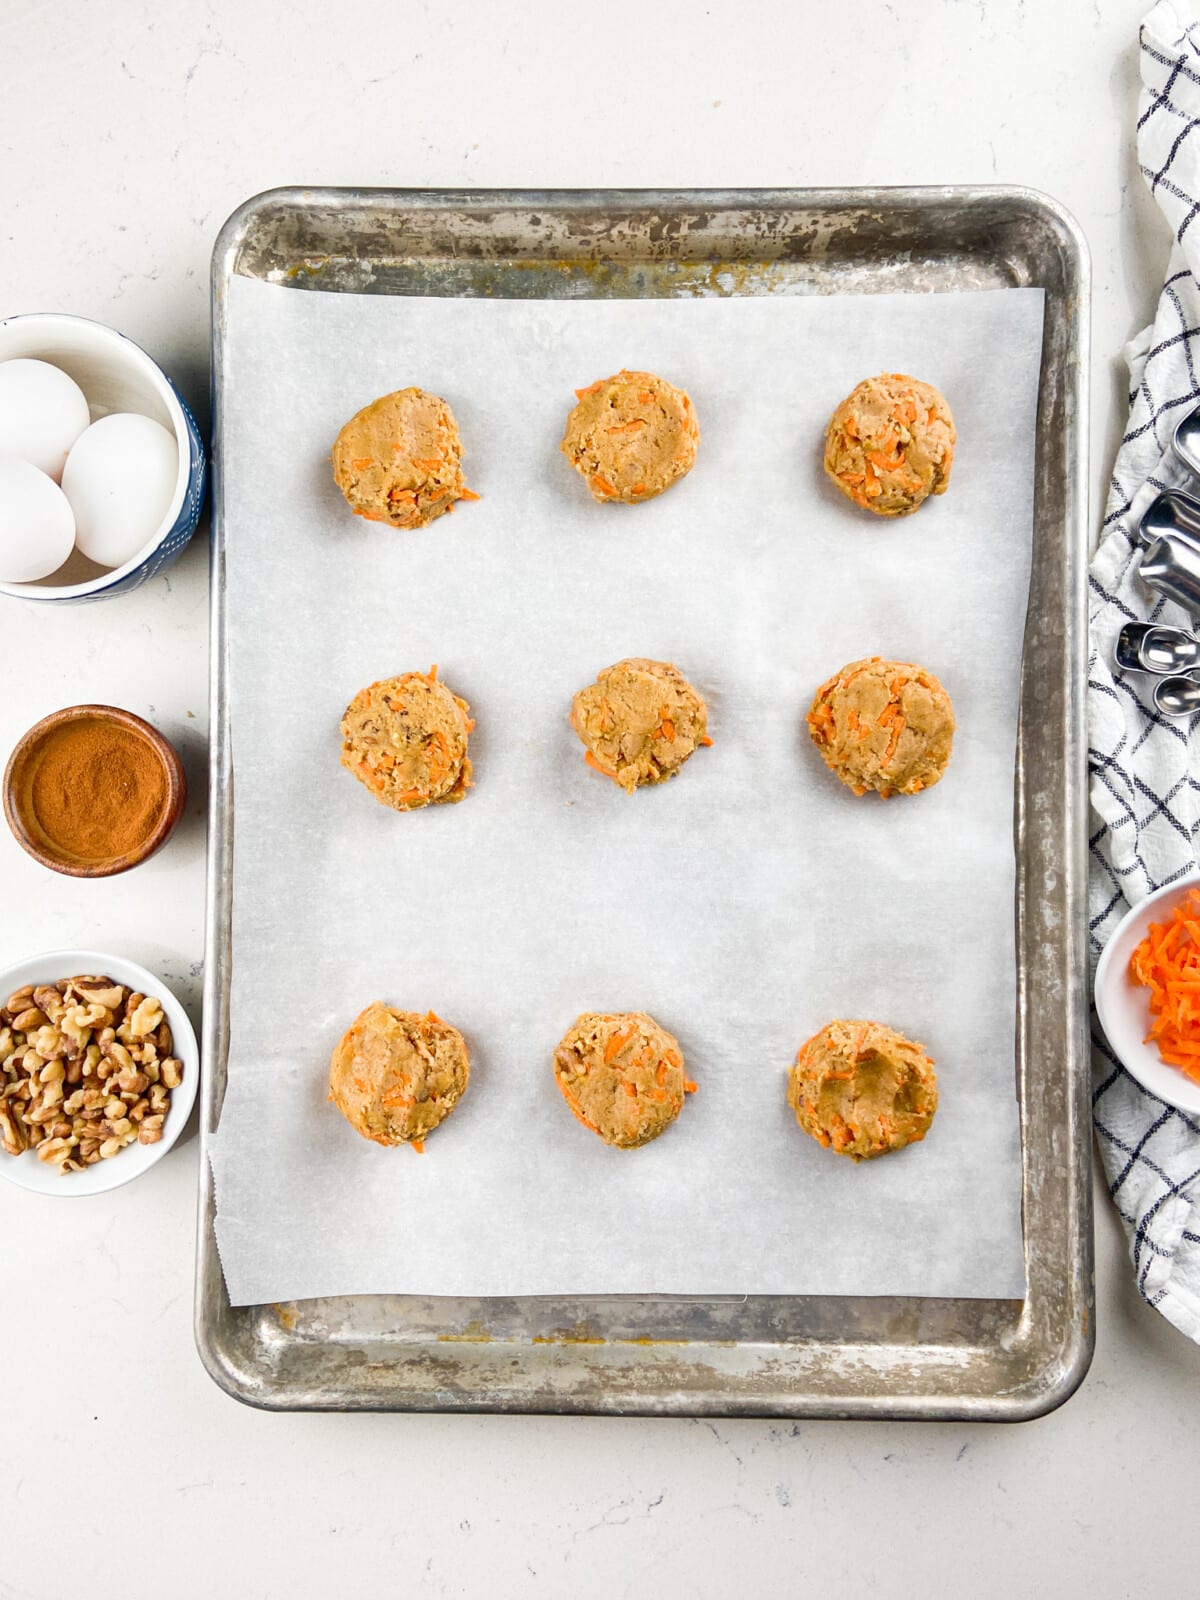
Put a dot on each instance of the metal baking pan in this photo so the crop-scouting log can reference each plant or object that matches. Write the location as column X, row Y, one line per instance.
column 758, row 1355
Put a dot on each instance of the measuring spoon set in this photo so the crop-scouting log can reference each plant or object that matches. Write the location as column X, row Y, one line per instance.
column 1169, row 534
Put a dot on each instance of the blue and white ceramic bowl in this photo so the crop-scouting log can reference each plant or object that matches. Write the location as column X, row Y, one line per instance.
column 116, row 375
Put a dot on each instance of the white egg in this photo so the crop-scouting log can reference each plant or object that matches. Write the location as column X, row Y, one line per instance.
column 42, row 413
column 37, row 527
column 120, row 479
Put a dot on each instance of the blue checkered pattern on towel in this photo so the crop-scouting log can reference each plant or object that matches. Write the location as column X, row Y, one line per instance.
column 1144, row 789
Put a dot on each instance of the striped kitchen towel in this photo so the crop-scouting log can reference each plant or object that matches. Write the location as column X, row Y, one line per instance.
column 1144, row 793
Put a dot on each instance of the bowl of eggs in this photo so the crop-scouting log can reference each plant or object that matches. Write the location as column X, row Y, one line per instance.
column 102, row 467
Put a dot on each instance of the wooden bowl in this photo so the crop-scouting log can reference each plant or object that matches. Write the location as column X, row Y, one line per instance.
column 18, row 787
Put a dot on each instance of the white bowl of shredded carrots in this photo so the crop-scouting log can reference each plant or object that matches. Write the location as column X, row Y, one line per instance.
column 1148, row 993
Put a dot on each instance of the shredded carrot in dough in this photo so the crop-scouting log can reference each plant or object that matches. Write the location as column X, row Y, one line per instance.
column 599, row 766
column 618, row 1042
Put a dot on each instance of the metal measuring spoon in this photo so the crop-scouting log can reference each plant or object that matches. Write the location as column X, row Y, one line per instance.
column 1171, row 512
column 1171, row 566
column 1154, row 647
column 1168, row 651
column 1127, row 652
column 1177, row 697
column 1186, row 441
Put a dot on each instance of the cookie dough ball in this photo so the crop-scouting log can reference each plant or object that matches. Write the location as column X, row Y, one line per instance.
column 631, row 436
column 398, row 460
column 640, row 721
column 862, row 1089
column 883, row 725
column 396, row 1074
column 406, row 739
column 890, row 444
column 622, row 1076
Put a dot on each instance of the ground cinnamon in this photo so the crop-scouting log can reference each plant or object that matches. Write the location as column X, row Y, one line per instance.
column 98, row 789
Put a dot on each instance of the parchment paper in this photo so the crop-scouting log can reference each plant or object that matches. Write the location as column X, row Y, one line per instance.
column 743, row 904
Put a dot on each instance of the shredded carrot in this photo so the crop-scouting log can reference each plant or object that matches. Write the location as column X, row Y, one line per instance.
column 892, row 716
column 689, row 1087
column 704, row 739
column 591, row 389
column 467, row 494
column 418, row 1145
column 370, row 516
column 431, row 464
column 645, row 398
column 665, row 729
column 618, row 1042
column 630, row 1089
column 602, row 484
column 820, row 720
column 363, row 461
column 599, row 766
column 672, row 1058
column 629, row 427
column 1167, row 962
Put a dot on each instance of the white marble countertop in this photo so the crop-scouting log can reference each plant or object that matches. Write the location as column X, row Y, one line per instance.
column 128, row 134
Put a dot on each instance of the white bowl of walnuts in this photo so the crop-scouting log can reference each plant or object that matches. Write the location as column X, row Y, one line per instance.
column 98, row 1072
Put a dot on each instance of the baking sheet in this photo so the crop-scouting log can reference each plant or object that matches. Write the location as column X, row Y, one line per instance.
column 743, row 904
